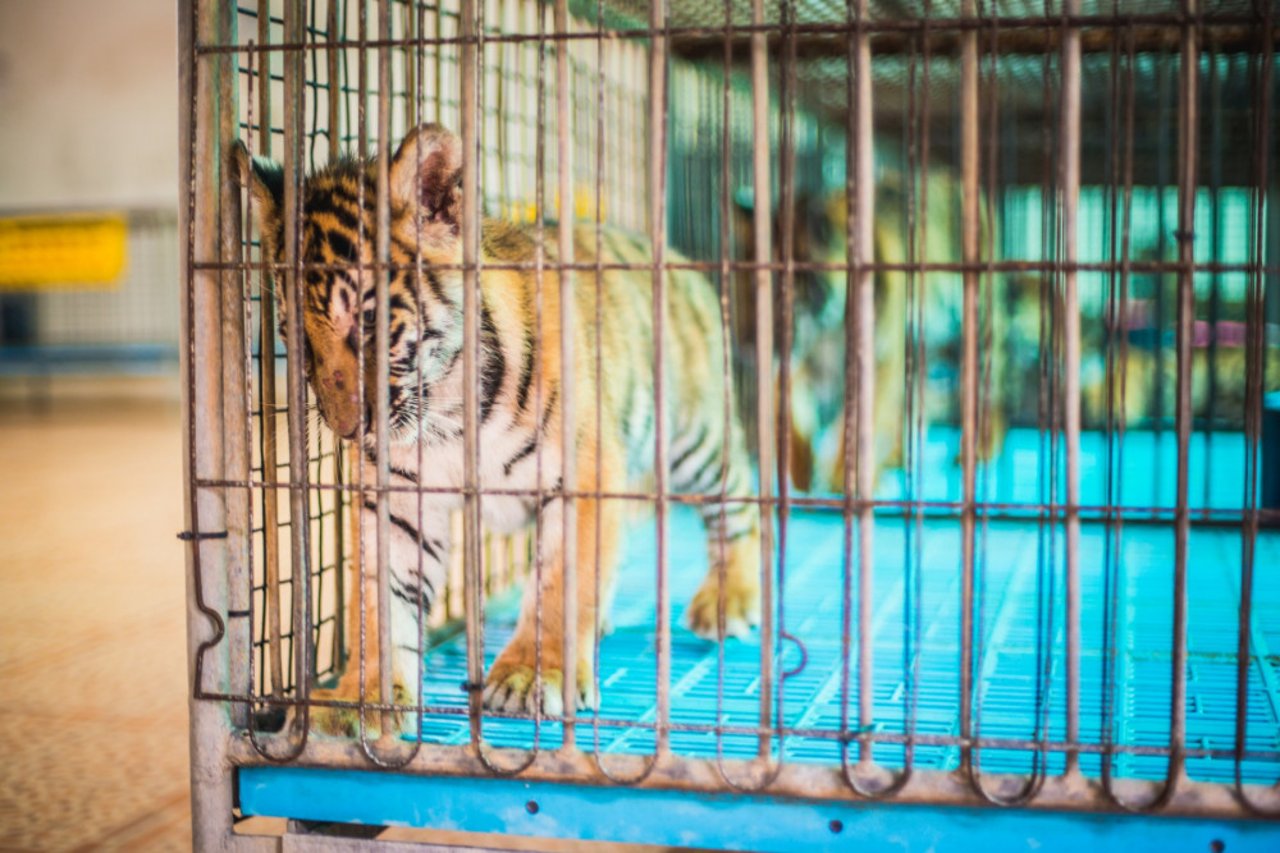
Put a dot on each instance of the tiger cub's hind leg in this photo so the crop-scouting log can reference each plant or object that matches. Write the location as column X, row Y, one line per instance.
column 732, row 582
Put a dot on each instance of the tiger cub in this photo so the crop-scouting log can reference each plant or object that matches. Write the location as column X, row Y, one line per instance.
column 819, row 354
column 520, row 417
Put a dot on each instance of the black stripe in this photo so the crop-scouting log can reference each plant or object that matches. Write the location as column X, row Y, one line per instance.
column 372, row 458
column 437, row 290
column 342, row 247
column 524, row 451
column 430, row 546
column 526, row 369
column 495, row 363
column 412, row 594
column 532, row 443
column 628, row 403
column 546, row 499
column 329, row 203
column 690, row 450
column 700, row 482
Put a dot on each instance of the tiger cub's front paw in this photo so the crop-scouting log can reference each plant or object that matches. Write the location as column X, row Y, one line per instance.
column 741, row 609
column 510, row 687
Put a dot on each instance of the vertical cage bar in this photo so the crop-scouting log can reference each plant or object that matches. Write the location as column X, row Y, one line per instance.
column 360, row 570
column 202, row 418
column 971, row 226
column 299, row 492
column 382, row 366
column 332, row 54
column 862, row 257
column 762, row 207
column 1188, row 141
column 473, row 583
column 267, row 388
column 235, row 413
column 1262, row 72
column 786, row 219
column 568, row 327
column 657, row 233
column 1069, row 190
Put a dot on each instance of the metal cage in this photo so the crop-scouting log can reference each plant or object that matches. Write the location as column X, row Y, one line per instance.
column 996, row 291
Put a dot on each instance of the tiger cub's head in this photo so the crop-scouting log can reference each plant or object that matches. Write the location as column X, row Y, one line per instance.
column 337, row 240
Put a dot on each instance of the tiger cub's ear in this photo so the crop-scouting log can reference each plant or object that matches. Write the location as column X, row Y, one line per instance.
column 427, row 171
column 265, row 180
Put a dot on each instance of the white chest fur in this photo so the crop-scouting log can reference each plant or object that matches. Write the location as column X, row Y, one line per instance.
column 508, row 492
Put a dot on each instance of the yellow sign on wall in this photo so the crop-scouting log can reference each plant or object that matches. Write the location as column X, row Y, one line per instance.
column 81, row 250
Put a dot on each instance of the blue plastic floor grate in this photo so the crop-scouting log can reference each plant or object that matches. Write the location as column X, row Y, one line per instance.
column 1020, row 618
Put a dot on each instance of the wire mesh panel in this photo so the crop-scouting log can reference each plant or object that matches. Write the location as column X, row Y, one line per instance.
column 866, row 401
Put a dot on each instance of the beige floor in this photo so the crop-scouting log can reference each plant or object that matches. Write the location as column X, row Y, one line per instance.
column 93, row 685
column 93, row 741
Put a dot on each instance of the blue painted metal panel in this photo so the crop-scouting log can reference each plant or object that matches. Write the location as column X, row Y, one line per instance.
column 728, row 821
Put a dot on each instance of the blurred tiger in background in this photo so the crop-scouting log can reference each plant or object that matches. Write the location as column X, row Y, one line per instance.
column 816, row 414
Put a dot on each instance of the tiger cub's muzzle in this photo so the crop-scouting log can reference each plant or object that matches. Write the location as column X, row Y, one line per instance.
column 334, row 378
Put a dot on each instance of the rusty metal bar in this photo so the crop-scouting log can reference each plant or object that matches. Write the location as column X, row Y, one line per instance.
column 762, row 208
column 970, row 237
column 862, row 343
column 987, row 266
column 568, row 329
column 891, row 35
column 438, row 60
column 1069, row 194
column 916, row 365
column 539, row 276
column 994, row 510
column 781, row 374
column 236, row 369
column 299, row 493
column 1267, row 800
column 206, row 556
column 1188, row 142
column 1027, row 36
column 1117, row 391
column 823, row 734
column 382, row 369
column 473, row 582
column 657, row 160
column 360, row 569
column 334, row 130
column 267, row 391
column 726, row 286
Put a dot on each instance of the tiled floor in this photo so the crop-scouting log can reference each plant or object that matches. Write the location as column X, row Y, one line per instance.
column 93, row 693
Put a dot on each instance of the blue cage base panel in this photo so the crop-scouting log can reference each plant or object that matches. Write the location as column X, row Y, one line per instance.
column 725, row 821
column 1019, row 662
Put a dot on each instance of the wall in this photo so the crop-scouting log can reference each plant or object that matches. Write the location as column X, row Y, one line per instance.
column 88, row 95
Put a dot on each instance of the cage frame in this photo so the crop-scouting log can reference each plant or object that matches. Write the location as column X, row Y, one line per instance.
column 213, row 359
